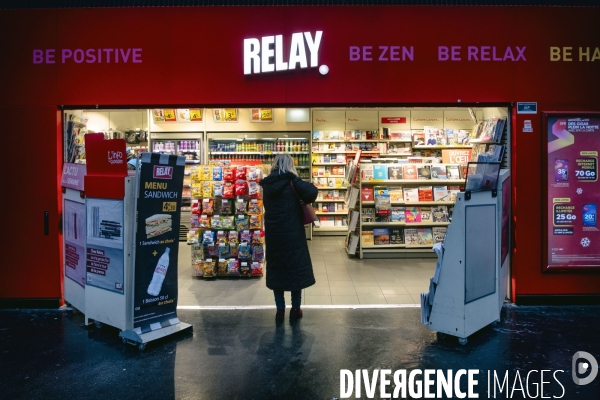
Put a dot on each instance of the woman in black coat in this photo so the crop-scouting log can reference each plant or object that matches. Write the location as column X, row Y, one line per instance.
column 288, row 261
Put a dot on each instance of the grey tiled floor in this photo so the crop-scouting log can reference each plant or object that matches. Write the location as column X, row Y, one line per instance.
column 341, row 280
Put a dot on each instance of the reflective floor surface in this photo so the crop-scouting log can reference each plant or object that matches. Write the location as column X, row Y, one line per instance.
column 245, row 354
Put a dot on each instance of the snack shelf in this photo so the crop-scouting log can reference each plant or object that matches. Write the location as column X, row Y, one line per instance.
column 325, row 164
column 409, row 224
column 439, row 146
column 259, row 152
column 413, row 203
column 413, row 181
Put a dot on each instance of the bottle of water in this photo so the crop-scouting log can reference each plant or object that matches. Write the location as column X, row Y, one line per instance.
column 159, row 274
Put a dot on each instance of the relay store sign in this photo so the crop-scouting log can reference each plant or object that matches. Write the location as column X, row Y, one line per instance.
column 266, row 54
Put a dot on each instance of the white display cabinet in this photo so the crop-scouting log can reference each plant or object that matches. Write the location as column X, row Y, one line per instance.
column 470, row 285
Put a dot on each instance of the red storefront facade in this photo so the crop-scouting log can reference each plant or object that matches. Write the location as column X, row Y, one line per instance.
column 383, row 56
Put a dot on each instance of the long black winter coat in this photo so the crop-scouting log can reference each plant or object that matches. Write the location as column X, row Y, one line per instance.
column 288, row 260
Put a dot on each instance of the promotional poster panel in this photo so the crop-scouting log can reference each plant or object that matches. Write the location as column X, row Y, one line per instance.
column 74, row 233
column 104, row 255
column 157, row 240
column 573, row 193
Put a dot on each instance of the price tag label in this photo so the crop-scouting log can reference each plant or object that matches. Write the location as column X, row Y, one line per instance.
column 564, row 214
column 169, row 206
column 195, row 114
column 266, row 114
column 586, row 169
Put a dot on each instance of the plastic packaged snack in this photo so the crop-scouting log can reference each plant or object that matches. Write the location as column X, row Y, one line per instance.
column 253, row 174
column 198, row 268
column 207, row 189
column 240, row 206
column 258, row 252
column 242, row 222
column 204, row 221
column 228, row 222
column 194, row 221
column 233, row 267
column 228, row 190
column 232, row 237
column 240, row 173
column 197, row 190
column 255, row 206
column 233, row 249
column 208, row 237
column 241, row 188
column 217, row 173
column 212, row 250
column 226, row 207
column 244, row 251
column 216, row 222
column 197, row 251
column 222, row 266
column 205, row 172
column 218, row 189
column 228, row 175
column 255, row 221
column 221, row 237
column 257, row 268
column 245, row 269
column 224, row 250
column 258, row 237
column 245, row 236
column 209, row 267
column 253, row 189
column 208, row 206
column 191, row 236
column 196, row 207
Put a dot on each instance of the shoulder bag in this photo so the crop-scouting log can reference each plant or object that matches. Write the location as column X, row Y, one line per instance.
column 308, row 213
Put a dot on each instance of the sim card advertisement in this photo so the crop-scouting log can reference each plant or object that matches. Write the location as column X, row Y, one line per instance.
column 573, row 197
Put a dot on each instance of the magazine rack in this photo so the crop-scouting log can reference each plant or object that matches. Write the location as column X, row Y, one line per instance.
column 470, row 282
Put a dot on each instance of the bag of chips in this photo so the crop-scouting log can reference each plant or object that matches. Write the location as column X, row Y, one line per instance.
column 245, row 236
column 253, row 189
column 222, row 266
column 216, row 222
column 221, row 237
column 242, row 222
column 228, row 175
column 241, row 188
column 258, row 252
column 255, row 206
column 240, row 206
column 208, row 206
column 218, row 189
column 217, row 173
column 207, row 189
column 228, row 222
column 209, row 268
column 198, row 268
column 205, row 173
column 198, row 251
column 228, row 190
column 253, row 174
column 226, row 207
column 244, row 251
column 257, row 268
column 233, row 249
column 232, row 267
column 212, row 249
column 245, row 269
column 258, row 237
column 194, row 221
column 196, row 207
column 255, row 221
column 191, row 235
column 240, row 173
column 232, row 237
column 208, row 237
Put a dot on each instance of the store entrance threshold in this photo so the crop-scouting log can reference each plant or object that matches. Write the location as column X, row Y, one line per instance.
column 343, row 281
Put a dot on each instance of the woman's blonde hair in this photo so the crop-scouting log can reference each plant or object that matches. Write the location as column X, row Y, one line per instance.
column 284, row 163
